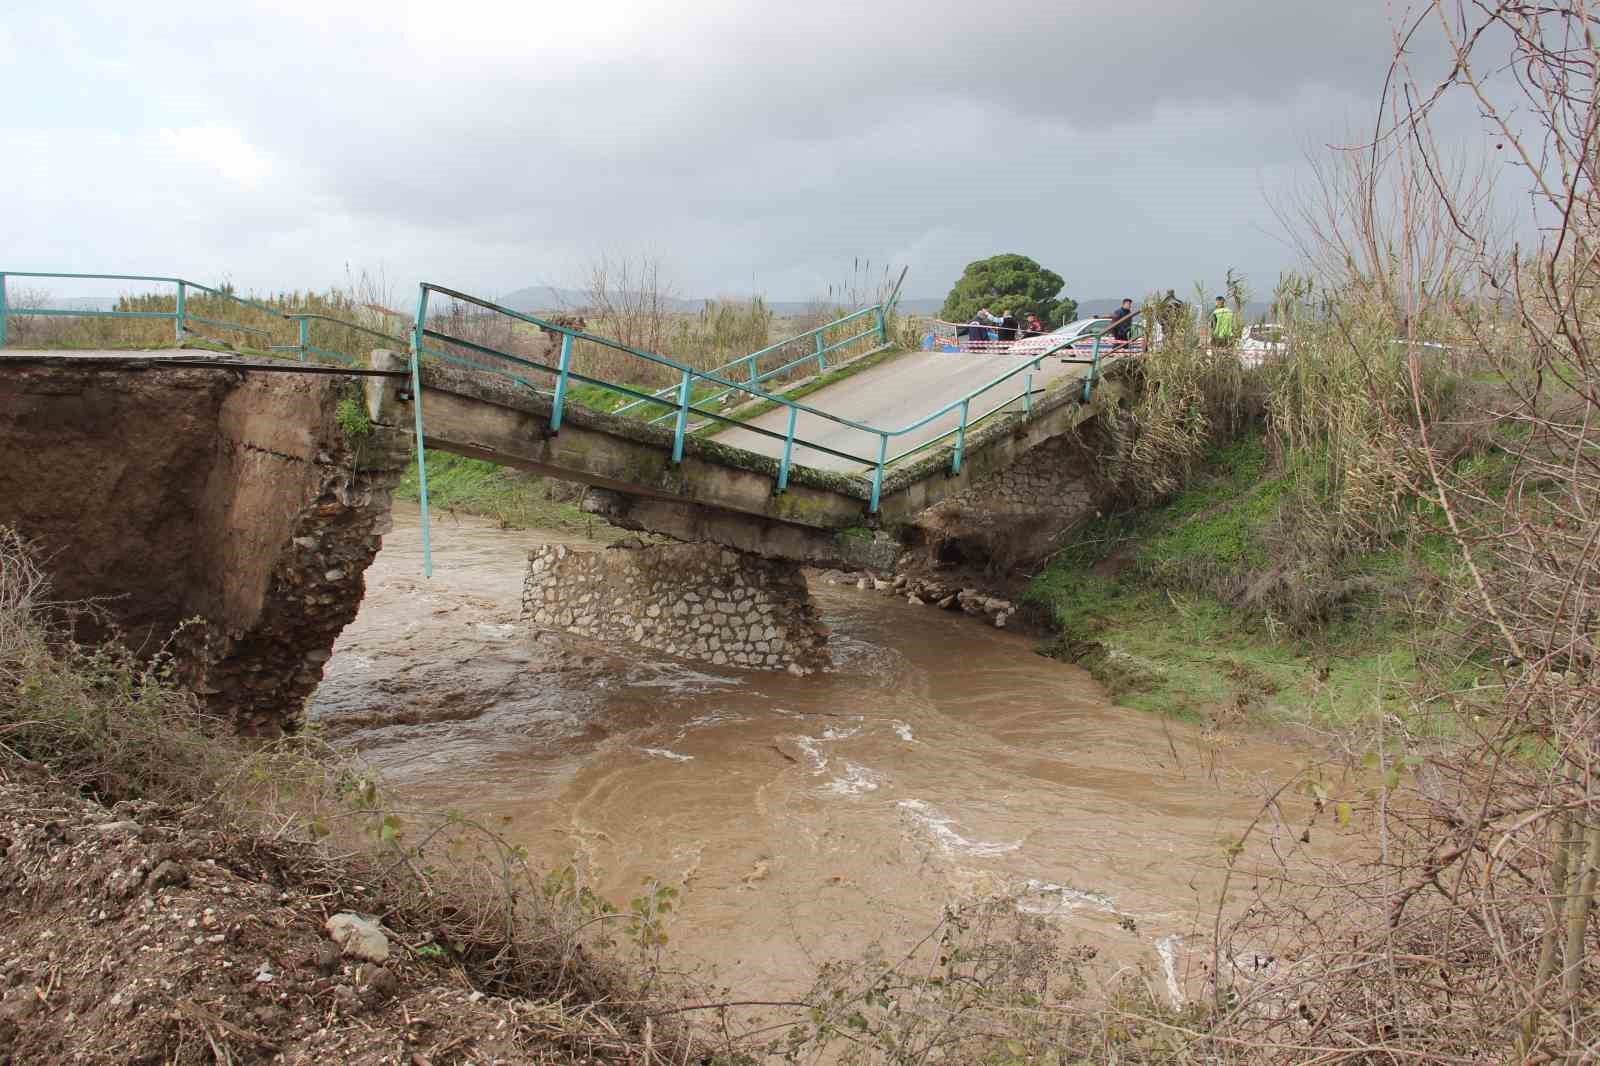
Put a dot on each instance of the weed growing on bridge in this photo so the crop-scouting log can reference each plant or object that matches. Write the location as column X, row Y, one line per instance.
column 354, row 422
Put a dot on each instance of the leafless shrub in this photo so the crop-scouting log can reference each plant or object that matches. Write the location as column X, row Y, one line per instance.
column 1472, row 931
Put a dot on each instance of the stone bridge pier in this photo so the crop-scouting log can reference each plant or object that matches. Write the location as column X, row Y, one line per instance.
column 692, row 601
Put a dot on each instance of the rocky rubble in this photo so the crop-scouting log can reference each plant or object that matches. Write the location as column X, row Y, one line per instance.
column 923, row 591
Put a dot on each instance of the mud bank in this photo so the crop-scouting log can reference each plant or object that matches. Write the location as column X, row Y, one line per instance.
column 163, row 495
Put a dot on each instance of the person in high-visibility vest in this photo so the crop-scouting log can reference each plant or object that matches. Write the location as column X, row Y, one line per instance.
column 1222, row 325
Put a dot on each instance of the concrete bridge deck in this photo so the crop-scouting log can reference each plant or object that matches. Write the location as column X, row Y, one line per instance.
column 890, row 395
column 724, row 488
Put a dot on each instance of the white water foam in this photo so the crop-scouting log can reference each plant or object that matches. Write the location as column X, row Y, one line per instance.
column 713, row 718
column 903, row 731
column 938, row 826
column 1061, row 899
column 819, row 761
column 705, row 721
column 809, row 745
column 663, row 753
column 856, row 780
column 494, row 631
column 1167, row 947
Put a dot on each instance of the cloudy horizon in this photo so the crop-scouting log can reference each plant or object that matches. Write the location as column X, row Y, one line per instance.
column 492, row 146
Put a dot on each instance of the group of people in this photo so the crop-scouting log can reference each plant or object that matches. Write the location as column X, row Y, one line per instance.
column 987, row 326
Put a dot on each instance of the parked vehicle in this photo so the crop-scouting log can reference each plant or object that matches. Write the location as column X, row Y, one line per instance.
column 1084, row 329
column 1261, row 342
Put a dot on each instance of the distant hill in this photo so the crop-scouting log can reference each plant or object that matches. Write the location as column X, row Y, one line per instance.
column 551, row 298
column 537, row 298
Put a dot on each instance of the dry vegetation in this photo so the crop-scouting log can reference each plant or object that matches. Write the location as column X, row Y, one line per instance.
column 631, row 300
column 1438, row 395
column 107, row 726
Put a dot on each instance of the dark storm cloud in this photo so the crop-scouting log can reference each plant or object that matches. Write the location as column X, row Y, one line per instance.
column 503, row 144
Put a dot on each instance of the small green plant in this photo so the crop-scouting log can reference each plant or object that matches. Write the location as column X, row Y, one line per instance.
column 353, row 419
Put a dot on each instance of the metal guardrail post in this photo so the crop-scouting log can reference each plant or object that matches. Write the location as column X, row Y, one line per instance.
column 883, row 326
column 788, row 451
column 683, row 420
column 1094, row 372
column 754, row 380
column 2, row 310
column 877, row 473
column 822, row 365
column 560, row 401
column 179, row 317
column 416, row 407
column 1027, row 395
column 961, row 441
column 305, row 338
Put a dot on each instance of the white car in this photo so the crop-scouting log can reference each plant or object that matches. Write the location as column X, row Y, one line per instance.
column 1261, row 342
column 1081, row 332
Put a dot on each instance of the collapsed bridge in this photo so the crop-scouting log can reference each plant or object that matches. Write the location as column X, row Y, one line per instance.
column 226, row 487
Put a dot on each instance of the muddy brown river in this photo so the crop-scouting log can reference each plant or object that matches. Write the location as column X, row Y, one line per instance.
column 804, row 817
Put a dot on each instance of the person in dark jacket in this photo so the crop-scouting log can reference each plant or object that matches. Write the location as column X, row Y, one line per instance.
column 1122, row 322
column 1008, row 327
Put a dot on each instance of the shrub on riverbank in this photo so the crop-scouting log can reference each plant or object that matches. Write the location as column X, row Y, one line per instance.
column 1434, row 420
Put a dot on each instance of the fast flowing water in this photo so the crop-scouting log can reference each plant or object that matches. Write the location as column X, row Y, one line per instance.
column 804, row 817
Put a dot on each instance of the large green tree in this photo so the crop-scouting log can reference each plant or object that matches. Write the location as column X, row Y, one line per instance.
column 1012, row 283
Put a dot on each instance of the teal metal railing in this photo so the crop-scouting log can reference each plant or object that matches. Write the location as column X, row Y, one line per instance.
column 180, row 315
column 184, row 317
column 995, row 394
column 303, row 346
column 747, row 368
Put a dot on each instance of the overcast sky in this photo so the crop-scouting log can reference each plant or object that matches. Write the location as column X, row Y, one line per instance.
column 758, row 146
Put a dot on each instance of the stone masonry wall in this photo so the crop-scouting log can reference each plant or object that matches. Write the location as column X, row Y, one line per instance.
column 1016, row 515
column 694, row 601
column 292, row 514
column 1050, row 478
